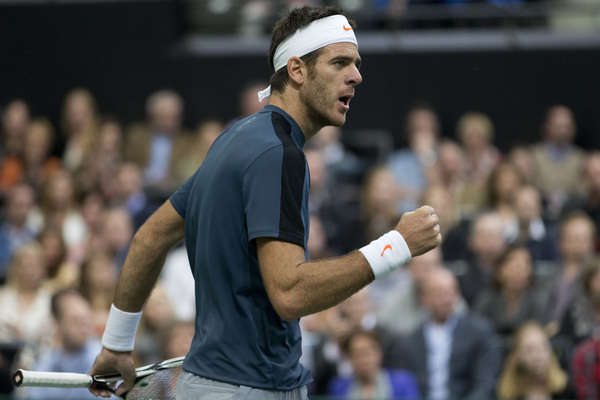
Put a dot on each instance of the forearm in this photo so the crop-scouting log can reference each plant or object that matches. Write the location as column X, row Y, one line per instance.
column 140, row 271
column 321, row 284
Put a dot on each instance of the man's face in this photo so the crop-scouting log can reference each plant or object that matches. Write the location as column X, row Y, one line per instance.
column 330, row 83
column 440, row 295
column 75, row 323
column 560, row 125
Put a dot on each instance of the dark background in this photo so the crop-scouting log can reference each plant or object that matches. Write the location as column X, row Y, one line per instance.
column 124, row 51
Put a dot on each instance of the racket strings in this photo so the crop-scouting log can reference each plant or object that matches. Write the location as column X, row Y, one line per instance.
column 158, row 386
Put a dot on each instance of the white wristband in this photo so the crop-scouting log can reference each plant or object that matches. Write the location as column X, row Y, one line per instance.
column 121, row 326
column 386, row 253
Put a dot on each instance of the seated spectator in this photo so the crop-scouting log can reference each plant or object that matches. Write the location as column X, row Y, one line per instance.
column 61, row 272
column 576, row 246
column 586, row 359
column 15, row 120
column 38, row 163
column 117, row 232
column 557, row 161
column 412, row 167
column 475, row 131
column 130, row 194
column 25, row 304
column 589, row 201
column 97, row 284
column 513, row 298
column 453, row 355
column 79, row 127
column 503, row 184
column 531, row 371
column 369, row 380
column 158, row 144
column 486, row 243
column 530, row 229
column 402, row 310
column 14, row 228
column 75, row 347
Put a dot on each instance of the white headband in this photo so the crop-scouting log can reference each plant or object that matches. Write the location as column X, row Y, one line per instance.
column 317, row 34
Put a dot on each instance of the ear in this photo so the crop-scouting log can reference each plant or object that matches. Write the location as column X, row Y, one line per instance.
column 297, row 70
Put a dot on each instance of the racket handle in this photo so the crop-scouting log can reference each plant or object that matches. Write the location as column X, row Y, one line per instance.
column 51, row 379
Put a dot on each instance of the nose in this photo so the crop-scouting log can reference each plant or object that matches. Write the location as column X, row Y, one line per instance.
column 355, row 78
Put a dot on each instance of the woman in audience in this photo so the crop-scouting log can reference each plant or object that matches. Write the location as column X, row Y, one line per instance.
column 531, row 371
column 79, row 127
column 97, row 285
column 61, row 273
column 369, row 380
column 25, row 304
column 503, row 184
column 513, row 299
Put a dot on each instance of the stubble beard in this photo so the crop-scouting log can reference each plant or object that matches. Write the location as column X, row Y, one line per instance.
column 315, row 101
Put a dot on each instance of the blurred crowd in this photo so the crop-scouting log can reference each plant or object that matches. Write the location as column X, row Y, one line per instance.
column 508, row 307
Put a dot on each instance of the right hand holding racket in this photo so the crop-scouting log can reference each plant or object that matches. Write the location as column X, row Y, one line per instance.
column 109, row 362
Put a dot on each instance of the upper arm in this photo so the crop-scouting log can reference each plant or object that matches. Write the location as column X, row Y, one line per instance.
column 164, row 228
column 278, row 261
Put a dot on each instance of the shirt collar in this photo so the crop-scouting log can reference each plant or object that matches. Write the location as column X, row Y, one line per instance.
column 296, row 133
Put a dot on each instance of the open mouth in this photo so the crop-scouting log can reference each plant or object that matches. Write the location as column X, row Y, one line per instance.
column 345, row 100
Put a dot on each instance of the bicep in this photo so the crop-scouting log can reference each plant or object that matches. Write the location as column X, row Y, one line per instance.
column 165, row 226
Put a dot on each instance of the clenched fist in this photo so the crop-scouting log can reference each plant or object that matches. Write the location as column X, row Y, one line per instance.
column 420, row 229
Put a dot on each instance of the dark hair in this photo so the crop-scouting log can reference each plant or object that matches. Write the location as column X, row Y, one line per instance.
column 286, row 27
column 55, row 306
column 497, row 284
column 347, row 342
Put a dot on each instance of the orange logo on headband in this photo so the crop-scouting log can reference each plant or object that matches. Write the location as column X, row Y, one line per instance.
column 346, row 28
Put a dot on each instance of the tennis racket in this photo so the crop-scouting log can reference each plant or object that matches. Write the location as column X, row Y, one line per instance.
column 152, row 382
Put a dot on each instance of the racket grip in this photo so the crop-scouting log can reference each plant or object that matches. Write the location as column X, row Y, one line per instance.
column 51, row 379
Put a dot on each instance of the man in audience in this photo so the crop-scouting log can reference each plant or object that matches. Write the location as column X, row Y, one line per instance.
column 589, row 202
column 557, row 161
column 155, row 147
column 130, row 194
column 14, row 231
column 75, row 347
column 412, row 166
column 453, row 355
column 486, row 243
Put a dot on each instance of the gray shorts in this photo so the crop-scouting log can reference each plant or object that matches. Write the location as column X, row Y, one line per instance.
column 194, row 387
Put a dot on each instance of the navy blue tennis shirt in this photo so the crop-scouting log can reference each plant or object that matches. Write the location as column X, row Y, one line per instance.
column 254, row 182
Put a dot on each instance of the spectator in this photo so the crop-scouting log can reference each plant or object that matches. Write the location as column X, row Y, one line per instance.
column 25, row 304
column 379, row 210
column 58, row 210
column 453, row 355
column 503, row 184
column 369, row 379
column 130, row 194
column 14, row 229
column 39, row 164
column 530, row 229
column 412, row 167
column 513, row 297
column 97, row 285
column 586, row 359
column 117, row 232
column 557, row 161
column 206, row 133
column 158, row 145
column 79, row 127
column 75, row 347
column 576, row 245
column 402, row 310
column 531, row 371
column 476, row 133
column 486, row 244
column 521, row 158
column 61, row 273
column 589, row 201
column 15, row 121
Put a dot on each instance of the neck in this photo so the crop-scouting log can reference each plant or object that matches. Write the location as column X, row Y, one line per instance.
column 289, row 101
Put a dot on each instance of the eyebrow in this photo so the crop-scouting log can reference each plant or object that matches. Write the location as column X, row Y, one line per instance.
column 348, row 59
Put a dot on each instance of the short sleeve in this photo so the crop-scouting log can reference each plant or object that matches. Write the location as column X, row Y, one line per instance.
column 180, row 197
column 273, row 192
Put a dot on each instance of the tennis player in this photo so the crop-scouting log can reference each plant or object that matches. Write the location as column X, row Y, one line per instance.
column 244, row 216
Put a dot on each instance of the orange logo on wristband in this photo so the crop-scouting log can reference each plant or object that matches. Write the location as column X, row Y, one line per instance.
column 387, row 246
